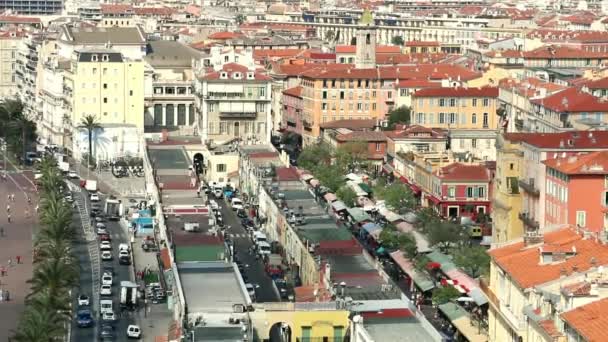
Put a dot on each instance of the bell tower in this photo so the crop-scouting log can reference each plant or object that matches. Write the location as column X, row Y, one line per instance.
column 366, row 42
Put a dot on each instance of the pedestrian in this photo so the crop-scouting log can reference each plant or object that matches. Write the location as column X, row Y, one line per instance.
column 29, row 200
column 18, row 259
column 1, row 295
column 8, row 208
column 10, row 262
column 27, row 212
column 1, row 231
column 7, row 296
column 2, row 271
column 37, row 208
column 8, row 217
column 13, row 197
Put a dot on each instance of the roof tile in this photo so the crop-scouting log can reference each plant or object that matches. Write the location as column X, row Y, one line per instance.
column 590, row 320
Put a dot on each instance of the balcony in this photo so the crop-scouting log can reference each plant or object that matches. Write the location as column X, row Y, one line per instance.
column 528, row 220
column 529, row 187
column 515, row 322
column 484, row 285
column 307, row 123
column 238, row 115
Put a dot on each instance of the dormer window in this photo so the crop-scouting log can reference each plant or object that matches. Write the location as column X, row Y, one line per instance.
column 105, row 58
column 223, row 75
column 250, row 75
column 94, row 58
column 236, row 76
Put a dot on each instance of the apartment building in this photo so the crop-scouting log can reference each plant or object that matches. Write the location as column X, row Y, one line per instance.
column 415, row 138
column 169, row 91
column 291, row 116
column 234, row 103
column 563, row 57
column 130, row 41
column 32, row 7
column 540, row 287
column 469, row 114
column 520, row 162
column 9, row 55
column 577, row 191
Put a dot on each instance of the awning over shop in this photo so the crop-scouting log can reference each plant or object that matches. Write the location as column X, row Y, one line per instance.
column 329, row 197
column 338, row 206
column 365, row 187
column 468, row 284
column 306, row 177
column 461, row 319
column 353, row 177
column 315, row 183
column 415, row 188
column 391, row 216
column 422, row 244
column 357, row 189
column 422, row 281
column 478, row 296
column 358, row 215
column 434, row 199
column 404, row 179
column 388, row 168
column 371, row 227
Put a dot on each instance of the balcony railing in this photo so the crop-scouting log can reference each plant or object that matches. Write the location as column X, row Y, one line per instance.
column 239, row 115
column 513, row 320
column 484, row 285
column 528, row 220
column 529, row 186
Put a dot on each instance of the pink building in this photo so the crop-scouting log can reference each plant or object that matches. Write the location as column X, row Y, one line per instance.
column 577, row 191
column 292, row 110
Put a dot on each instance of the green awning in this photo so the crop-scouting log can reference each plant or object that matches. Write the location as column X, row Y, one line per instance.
column 444, row 260
column 423, row 282
column 358, row 215
column 365, row 188
column 453, row 311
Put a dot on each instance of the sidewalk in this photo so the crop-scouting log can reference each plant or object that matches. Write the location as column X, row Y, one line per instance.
column 108, row 184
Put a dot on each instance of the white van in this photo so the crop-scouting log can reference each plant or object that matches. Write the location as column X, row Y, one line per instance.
column 236, row 204
column 124, row 247
column 259, row 237
column 264, row 248
column 105, row 305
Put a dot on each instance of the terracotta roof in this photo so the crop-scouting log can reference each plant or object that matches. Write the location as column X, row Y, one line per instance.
column 295, row 91
column 590, row 321
column 322, row 55
column 278, row 53
column 562, row 52
column 421, row 43
column 505, row 53
column 464, row 172
column 530, row 87
column 232, row 68
column 580, row 139
column 350, row 124
column 572, row 100
column 287, row 174
column 420, row 71
column 582, row 288
column 523, row 264
column 549, row 327
column 601, row 83
column 417, row 132
column 224, row 35
column 13, row 19
column 116, row 9
column 379, row 49
column 165, row 259
column 410, row 58
column 595, row 163
column 457, row 92
column 154, row 11
column 362, row 136
column 263, row 155
column 419, row 84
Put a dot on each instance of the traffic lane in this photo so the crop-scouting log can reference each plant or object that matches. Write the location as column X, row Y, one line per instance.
column 256, row 273
column 121, row 273
column 81, row 252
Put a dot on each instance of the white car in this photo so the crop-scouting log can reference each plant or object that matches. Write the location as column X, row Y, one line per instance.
column 106, row 279
column 106, row 255
column 251, row 290
column 100, row 225
column 105, row 290
column 133, row 331
column 94, row 198
column 83, row 300
column 108, row 316
column 105, row 245
column 123, row 253
column 73, row 175
column 101, row 231
column 214, row 205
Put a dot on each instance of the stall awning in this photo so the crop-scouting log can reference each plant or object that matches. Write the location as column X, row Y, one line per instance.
column 371, row 227
column 422, row 281
column 329, row 197
column 478, row 296
column 422, row 244
column 357, row 189
column 404, row 179
column 315, row 183
column 416, row 189
column 306, row 177
column 461, row 319
column 338, row 206
column 388, row 168
column 358, row 215
column 365, row 187
column 434, row 199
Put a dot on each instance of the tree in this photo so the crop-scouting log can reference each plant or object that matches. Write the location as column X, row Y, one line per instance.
column 398, row 197
column 446, row 234
column 40, row 325
column 352, row 156
column 329, row 36
column 90, row 123
column 347, row 195
column 397, row 40
column 399, row 115
column 330, row 176
column 475, row 261
column 426, row 217
column 313, row 156
column 391, row 238
column 240, row 19
column 18, row 130
column 444, row 294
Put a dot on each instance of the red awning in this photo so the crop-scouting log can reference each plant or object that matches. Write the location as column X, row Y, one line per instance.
column 416, row 189
column 404, row 180
column 434, row 199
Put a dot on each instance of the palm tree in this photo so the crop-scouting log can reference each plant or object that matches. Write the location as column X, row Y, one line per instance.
column 46, row 299
column 40, row 325
column 53, row 275
column 11, row 113
column 90, row 123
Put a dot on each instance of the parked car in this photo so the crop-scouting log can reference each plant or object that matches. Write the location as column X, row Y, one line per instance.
column 105, row 290
column 72, row 174
column 133, row 331
column 105, row 237
column 106, row 279
column 106, row 255
column 105, row 245
column 95, row 198
column 241, row 213
column 106, row 333
column 108, row 316
column 102, row 231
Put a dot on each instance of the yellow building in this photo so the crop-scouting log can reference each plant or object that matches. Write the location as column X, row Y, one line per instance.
column 106, row 85
column 507, row 201
column 9, row 45
column 468, row 113
column 301, row 321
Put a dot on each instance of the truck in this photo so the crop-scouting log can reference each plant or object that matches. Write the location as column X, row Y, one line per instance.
column 128, row 295
column 90, row 185
column 191, row 226
column 105, row 305
column 113, row 209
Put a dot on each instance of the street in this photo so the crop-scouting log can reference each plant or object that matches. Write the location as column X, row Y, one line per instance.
column 121, row 273
column 256, row 273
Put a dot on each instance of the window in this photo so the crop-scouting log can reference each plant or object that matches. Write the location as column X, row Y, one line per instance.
column 511, row 166
column 341, row 94
column 451, row 192
column 158, row 114
column 181, row 114
column 486, row 102
column 485, row 120
column 481, row 192
column 469, row 192
column 474, row 143
column 130, row 92
column 359, row 106
column 474, row 102
column 104, row 71
column 420, row 118
column 324, row 94
column 453, row 118
column 221, row 168
column 94, row 71
column 605, row 199
column 441, row 118
column 378, row 147
column 581, row 218
column 105, row 100
column 324, row 106
column 373, row 106
column 105, row 86
column 441, row 102
column 452, row 102
column 474, row 118
column 169, row 115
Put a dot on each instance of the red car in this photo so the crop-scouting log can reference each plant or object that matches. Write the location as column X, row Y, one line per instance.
column 105, row 237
